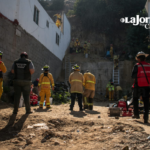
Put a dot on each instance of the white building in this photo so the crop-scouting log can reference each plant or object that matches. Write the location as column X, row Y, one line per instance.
column 34, row 19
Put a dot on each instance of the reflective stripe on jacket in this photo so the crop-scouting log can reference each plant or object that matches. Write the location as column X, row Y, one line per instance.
column 76, row 81
column 90, row 81
column 46, row 81
column 111, row 88
column 141, row 78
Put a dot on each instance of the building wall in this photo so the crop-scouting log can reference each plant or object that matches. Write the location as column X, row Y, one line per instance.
column 23, row 11
column 12, row 45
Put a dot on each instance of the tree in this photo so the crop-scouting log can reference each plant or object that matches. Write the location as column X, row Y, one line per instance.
column 138, row 37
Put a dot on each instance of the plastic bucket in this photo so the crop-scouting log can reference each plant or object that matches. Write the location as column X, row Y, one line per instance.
column 86, row 55
column 21, row 102
column 51, row 100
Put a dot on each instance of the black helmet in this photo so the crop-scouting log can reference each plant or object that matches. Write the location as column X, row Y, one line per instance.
column 24, row 54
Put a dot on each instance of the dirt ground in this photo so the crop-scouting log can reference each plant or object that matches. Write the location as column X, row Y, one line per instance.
column 66, row 130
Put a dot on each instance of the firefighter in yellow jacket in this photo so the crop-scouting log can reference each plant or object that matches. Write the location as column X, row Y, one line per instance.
column 58, row 21
column 89, row 91
column 76, row 81
column 111, row 90
column 45, row 82
column 2, row 70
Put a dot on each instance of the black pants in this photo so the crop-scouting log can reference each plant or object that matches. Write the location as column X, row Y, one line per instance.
column 25, row 88
column 144, row 92
column 73, row 97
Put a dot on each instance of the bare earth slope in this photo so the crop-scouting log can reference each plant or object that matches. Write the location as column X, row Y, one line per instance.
column 65, row 130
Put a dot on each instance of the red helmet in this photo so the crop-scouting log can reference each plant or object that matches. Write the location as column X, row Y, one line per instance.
column 37, row 79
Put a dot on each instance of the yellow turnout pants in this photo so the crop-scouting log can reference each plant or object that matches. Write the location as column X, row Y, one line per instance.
column 111, row 95
column 58, row 23
column 111, row 53
column 44, row 93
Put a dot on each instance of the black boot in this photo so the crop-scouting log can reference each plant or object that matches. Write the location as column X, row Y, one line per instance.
column 81, row 109
column 90, row 107
column 71, row 109
column 85, row 106
column 145, row 121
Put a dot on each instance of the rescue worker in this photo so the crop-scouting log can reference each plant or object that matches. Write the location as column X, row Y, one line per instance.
column 2, row 70
column 89, row 91
column 58, row 21
column 118, row 91
column 23, row 68
column 76, row 81
column 85, row 47
column 107, row 87
column 111, row 51
column 116, row 61
column 77, row 45
column 141, row 76
column 111, row 91
column 45, row 82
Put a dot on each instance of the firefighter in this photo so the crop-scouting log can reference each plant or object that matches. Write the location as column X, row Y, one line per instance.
column 141, row 76
column 107, row 87
column 111, row 91
column 116, row 60
column 2, row 70
column 23, row 68
column 76, row 81
column 111, row 51
column 85, row 47
column 89, row 91
column 58, row 21
column 45, row 82
column 77, row 45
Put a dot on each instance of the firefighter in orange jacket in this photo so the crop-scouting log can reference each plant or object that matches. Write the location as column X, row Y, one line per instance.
column 89, row 91
column 2, row 70
column 45, row 82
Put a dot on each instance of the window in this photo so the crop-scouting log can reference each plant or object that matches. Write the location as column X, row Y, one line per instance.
column 36, row 15
column 47, row 24
column 57, row 39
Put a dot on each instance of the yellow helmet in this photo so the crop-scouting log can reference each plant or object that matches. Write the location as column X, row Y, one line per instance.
column 46, row 68
column 75, row 67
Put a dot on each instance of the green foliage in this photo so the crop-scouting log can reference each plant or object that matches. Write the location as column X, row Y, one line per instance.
column 104, row 15
column 70, row 13
column 137, row 37
column 61, row 97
